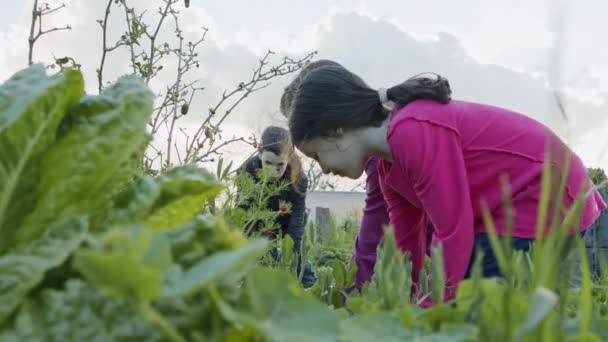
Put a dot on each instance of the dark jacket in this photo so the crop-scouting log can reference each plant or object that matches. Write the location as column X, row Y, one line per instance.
column 291, row 223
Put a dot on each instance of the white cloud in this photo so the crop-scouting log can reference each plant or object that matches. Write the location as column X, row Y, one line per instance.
column 494, row 53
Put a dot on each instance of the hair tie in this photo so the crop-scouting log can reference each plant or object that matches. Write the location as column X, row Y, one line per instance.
column 386, row 103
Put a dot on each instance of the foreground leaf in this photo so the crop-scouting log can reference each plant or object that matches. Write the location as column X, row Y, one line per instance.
column 79, row 312
column 95, row 156
column 131, row 263
column 374, row 327
column 226, row 266
column 383, row 326
column 202, row 237
column 274, row 303
column 542, row 302
column 167, row 201
column 25, row 267
column 32, row 106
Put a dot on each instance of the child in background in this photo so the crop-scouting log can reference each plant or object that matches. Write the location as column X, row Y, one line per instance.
column 442, row 162
column 277, row 153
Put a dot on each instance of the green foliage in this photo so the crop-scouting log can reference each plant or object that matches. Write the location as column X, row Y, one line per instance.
column 389, row 288
column 597, row 175
column 167, row 201
column 225, row 267
column 78, row 312
column 337, row 245
column 24, row 268
column 79, row 174
column 246, row 207
column 276, row 305
column 142, row 256
column 121, row 256
column 32, row 106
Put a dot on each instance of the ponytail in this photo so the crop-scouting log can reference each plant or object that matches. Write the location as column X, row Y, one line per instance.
column 419, row 87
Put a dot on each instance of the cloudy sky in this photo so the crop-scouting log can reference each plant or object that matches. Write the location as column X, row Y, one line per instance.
column 506, row 53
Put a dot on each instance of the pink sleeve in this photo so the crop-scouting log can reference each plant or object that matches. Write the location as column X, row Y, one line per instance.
column 408, row 224
column 431, row 158
column 375, row 217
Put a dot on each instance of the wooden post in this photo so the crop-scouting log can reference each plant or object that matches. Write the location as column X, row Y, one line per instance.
column 323, row 222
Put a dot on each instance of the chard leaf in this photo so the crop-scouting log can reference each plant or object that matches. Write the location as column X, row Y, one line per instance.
column 95, row 156
column 79, row 312
column 174, row 198
column 32, row 106
column 130, row 263
column 380, row 326
column 273, row 302
column 202, row 237
column 222, row 267
column 177, row 213
column 25, row 267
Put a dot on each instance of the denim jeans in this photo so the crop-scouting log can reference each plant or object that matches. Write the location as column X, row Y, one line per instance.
column 489, row 263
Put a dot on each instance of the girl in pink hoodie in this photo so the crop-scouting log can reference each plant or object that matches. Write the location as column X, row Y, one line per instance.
column 441, row 161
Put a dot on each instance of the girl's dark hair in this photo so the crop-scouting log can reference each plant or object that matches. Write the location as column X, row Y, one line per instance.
column 277, row 140
column 290, row 91
column 333, row 97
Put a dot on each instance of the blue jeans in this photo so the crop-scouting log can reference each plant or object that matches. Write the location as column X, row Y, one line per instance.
column 489, row 263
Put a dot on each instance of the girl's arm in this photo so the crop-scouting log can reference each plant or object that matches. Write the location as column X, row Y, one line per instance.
column 409, row 226
column 375, row 217
column 431, row 158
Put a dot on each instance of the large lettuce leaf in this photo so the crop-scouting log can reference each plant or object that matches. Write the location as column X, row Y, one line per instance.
column 383, row 326
column 32, row 106
column 169, row 200
column 225, row 267
column 94, row 157
column 129, row 262
column 273, row 302
column 24, row 268
column 202, row 237
column 78, row 312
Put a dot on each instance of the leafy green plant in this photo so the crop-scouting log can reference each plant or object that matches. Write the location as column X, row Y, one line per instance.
column 246, row 203
column 32, row 106
column 337, row 245
column 94, row 249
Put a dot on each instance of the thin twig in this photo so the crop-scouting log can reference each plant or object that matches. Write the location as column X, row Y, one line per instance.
column 155, row 123
column 47, row 10
column 31, row 40
column 163, row 15
column 216, row 149
column 178, row 81
column 104, row 42
column 129, row 34
column 179, row 157
column 37, row 13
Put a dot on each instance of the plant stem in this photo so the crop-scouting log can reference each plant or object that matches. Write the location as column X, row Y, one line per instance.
column 176, row 87
column 104, row 25
column 31, row 39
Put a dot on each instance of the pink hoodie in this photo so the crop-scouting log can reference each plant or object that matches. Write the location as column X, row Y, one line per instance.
column 449, row 158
